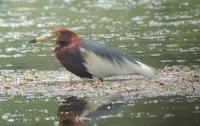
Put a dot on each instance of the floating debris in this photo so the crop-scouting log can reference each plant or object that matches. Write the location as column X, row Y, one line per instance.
column 168, row 81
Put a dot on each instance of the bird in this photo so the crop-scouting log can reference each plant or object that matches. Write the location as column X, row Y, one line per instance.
column 89, row 59
column 71, row 110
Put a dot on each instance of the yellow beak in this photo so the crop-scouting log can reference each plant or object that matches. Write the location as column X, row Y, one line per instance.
column 43, row 38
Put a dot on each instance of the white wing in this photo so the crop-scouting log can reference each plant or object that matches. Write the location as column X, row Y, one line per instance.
column 103, row 62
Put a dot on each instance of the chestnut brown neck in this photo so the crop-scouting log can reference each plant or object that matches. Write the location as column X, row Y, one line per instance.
column 67, row 37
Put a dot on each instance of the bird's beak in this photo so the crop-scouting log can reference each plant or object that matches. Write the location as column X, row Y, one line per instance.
column 43, row 38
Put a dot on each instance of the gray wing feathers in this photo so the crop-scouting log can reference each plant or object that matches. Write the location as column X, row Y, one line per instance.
column 118, row 62
column 109, row 53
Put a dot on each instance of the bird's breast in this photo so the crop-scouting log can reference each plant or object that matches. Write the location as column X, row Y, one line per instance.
column 58, row 53
column 72, row 60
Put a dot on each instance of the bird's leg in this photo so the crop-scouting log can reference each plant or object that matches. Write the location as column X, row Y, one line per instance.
column 97, row 79
column 101, row 80
column 87, row 80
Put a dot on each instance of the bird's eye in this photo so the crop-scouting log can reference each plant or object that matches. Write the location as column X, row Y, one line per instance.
column 57, row 34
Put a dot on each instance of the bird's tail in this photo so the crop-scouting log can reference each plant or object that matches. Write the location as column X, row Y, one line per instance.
column 141, row 68
column 145, row 70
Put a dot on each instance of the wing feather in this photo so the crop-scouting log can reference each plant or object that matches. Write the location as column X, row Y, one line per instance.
column 102, row 61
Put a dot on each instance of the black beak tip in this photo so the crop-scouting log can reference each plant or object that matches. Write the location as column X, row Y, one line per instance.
column 32, row 41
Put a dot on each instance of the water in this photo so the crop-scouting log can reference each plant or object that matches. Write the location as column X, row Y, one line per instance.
column 164, row 32
column 158, row 111
column 159, row 32
column 154, row 111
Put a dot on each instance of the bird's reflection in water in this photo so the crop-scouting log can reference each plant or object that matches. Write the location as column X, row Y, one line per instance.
column 70, row 110
column 73, row 110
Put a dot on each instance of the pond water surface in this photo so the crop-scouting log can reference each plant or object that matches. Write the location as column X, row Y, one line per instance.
column 159, row 32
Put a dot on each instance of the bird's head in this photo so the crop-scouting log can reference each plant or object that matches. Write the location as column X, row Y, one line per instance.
column 61, row 37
